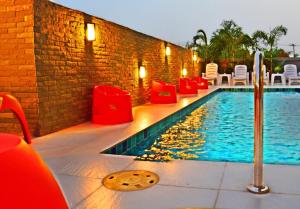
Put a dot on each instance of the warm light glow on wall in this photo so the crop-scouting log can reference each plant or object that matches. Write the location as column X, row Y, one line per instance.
column 184, row 72
column 90, row 32
column 168, row 51
column 195, row 57
column 142, row 72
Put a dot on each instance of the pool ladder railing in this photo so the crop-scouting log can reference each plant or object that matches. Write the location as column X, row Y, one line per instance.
column 258, row 186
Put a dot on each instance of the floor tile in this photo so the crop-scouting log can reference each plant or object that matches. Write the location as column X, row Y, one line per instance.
column 185, row 173
column 283, row 178
column 93, row 166
column 157, row 197
column 237, row 176
column 246, row 200
column 77, row 188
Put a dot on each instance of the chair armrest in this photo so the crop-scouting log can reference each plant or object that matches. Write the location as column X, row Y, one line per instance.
column 299, row 73
column 268, row 75
column 248, row 78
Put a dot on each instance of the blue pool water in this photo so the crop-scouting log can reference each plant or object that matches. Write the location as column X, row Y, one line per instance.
column 222, row 130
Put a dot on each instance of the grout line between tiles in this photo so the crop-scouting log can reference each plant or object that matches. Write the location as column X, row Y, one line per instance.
column 130, row 164
column 85, row 198
column 220, row 186
column 186, row 187
column 77, row 204
column 277, row 193
column 68, row 174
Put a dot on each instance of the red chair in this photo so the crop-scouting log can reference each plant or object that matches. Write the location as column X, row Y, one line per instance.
column 202, row 82
column 26, row 182
column 188, row 86
column 163, row 93
column 111, row 105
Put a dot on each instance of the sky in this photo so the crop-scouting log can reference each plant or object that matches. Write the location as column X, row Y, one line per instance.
column 177, row 21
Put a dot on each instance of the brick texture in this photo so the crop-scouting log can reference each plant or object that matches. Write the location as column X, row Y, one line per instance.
column 17, row 66
column 59, row 67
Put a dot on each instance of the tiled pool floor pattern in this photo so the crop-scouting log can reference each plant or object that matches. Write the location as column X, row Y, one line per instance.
column 73, row 155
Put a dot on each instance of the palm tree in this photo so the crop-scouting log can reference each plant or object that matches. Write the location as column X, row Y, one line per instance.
column 271, row 39
column 251, row 43
column 200, row 43
column 228, row 39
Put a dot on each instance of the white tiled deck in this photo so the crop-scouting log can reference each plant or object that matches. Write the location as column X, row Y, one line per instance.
column 73, row 155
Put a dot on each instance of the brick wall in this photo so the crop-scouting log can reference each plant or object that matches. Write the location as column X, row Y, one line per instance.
column 17, row 67
column 67, row 66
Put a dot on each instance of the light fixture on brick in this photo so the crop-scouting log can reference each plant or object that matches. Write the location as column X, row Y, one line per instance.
column 184, row 72
column 142, row 72
column 195, row 57
column 168, row 51
column 90, row 32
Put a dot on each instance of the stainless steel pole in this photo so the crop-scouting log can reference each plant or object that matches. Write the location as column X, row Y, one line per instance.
column 258, row 186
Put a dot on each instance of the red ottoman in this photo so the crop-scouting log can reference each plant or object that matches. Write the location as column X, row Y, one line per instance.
column 111, row 105
column 163, row 93
column 188, row 86
column 202, row 82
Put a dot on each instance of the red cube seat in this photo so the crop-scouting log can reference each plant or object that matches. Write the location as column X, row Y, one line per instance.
column 163, row 93
column 111, row 105
column 25, row 180
column 202, row 82
column 188, row 86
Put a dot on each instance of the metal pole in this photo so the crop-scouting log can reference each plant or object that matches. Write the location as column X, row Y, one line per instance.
column 258, row 186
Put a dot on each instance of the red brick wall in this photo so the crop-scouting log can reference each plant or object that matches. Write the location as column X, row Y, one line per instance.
column 67, row 66
column 17, row 67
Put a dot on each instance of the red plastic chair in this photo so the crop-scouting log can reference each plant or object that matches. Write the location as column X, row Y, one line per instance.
column 111, row 105
column 26, row 182
column 163, row 93
column 202, row 82
column 188, row 86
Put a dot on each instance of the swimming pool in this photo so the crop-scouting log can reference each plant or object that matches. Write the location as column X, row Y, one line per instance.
column 221, row 129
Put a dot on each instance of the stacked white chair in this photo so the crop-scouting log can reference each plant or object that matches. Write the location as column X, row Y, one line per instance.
column 211, row 73
column 291, row 74
column 240, row 75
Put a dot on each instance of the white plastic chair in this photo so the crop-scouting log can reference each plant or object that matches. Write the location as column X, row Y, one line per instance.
column 211, row 73
column 290, row 73
column 240, row 75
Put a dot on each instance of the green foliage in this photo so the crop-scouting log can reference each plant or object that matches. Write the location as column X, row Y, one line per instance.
column 229, row 45
column 270, row 40
column 278, row 69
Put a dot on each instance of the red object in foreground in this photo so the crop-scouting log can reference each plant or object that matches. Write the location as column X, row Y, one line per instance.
column 188, row 86
column 163, row 93
column 25, row 180
column 202, row 82
column 111, row 105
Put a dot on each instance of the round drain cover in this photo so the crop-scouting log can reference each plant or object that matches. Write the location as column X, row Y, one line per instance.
column 130, row 180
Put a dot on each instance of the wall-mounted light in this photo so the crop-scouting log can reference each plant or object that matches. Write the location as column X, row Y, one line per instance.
column 142, row 72
column 184, row 72
column 168, row 51
column 90, row 32
column 195, row 57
